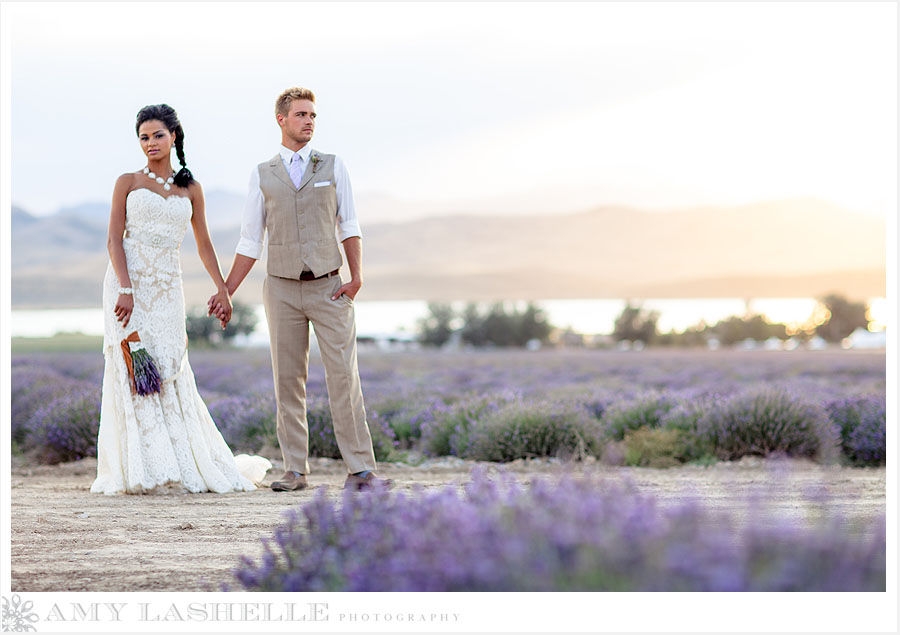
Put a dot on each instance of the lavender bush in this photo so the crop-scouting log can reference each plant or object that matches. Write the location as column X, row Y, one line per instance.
column 645, row 410
column 432, row 402
column 527, row 429
column 575, row 535
column 685, row 418
column 762, row 421
column 445, row 429
column 862, row 421
column 404, row 412
column 32, row 387
column 66, row 428
column 322, row 441
column 82, row 366
column 247, row 423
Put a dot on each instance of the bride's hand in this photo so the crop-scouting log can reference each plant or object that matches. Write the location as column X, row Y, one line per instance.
column 220, row 304
column 124, row 308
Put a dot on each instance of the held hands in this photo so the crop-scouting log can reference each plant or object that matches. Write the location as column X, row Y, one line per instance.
column 124, row 308
column 220, row 306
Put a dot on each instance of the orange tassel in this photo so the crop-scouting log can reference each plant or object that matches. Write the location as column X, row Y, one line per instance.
column 126, row 351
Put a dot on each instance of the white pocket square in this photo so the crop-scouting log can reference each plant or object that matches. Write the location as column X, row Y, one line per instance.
column 321, row 183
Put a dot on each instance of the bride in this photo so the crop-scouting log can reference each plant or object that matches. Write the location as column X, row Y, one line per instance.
column 156, row 434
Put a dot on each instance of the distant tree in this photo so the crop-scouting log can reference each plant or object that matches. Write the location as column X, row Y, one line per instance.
column 845, row 317
column 634, row 324
column 473, row 331
column 755, row 327
column 243, row 321
column 435, row 330
column 533, row 325
column 499, row 327
column 205, row 329
column 697, row 335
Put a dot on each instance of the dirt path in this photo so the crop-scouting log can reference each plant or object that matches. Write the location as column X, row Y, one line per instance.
column 66, row 539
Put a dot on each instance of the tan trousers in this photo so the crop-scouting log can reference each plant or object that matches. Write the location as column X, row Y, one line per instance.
column 290, row 307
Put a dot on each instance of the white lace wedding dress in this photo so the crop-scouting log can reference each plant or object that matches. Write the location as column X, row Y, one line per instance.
column 167, row 441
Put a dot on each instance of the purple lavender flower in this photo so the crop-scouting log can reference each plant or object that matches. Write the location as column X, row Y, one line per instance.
column 146, row 375
column 247, row 422
column 765, row 420
column 66, row 428
column 31, row 387
column 572, row 535
column 862, row 421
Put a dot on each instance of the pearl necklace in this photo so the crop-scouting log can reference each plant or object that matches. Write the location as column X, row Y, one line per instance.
column 159, row 179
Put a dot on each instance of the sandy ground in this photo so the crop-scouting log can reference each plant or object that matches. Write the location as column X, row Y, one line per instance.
column 66, row 539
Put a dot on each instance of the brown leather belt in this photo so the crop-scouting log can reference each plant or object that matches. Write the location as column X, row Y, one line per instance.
column 309, row 275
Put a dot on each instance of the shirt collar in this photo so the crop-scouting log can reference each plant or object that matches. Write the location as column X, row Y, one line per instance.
column 287, row 153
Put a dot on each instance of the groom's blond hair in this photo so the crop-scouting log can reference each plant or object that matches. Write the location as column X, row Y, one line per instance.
column 283, row 103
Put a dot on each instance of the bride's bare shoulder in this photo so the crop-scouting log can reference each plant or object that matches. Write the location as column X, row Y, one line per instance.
column 128, row 178
column 125, row 182
column 195, row 190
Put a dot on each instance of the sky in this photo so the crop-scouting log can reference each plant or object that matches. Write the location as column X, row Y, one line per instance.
column 472, row 108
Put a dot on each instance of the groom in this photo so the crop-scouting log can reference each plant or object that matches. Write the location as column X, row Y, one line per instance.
column 300, row 196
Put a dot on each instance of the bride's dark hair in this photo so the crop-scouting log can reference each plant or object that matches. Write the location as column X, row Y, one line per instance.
column 167, row 115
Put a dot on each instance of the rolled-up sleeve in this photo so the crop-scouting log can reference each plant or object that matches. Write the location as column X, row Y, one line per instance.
column 253, row 222
column 348, row 224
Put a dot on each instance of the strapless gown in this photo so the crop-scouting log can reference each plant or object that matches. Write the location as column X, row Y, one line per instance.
column 165, row 441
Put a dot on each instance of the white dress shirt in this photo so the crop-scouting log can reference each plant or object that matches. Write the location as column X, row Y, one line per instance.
column 253, row 224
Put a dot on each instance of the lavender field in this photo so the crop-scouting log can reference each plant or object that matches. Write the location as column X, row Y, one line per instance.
column 546, row 462
column 655, row 408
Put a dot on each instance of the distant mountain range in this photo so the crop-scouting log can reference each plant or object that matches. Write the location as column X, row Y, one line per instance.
column 793, row 248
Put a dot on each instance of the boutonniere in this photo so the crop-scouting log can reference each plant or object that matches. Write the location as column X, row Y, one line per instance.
column 315, row 161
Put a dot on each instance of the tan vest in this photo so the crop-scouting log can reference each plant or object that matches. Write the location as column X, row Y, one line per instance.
column 300, row 221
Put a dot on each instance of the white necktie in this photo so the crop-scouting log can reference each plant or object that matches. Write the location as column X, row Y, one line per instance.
column 296, row 169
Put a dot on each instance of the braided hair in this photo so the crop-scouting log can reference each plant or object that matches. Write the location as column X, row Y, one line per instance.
column 167, row 115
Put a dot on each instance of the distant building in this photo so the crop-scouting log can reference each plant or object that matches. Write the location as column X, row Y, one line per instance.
column 817, row 343
column 601, row 340
column 568, row 338
column 388, row 341
column 862, row 338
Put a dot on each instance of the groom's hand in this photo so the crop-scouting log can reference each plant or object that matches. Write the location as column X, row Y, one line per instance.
column 220, row 305
column 350, row 288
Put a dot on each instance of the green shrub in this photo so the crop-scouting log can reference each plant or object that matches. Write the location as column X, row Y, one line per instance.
column 654, row 447
column 533, row 429
column 646, row 410
column 685, row 418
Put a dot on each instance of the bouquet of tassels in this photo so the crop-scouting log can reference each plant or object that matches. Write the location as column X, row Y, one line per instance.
column 142, row 370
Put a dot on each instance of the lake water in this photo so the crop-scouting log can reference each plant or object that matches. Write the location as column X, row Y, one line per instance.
column 401, row 317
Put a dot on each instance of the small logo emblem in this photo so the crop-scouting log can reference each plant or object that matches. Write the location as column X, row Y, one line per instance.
column 17, row 615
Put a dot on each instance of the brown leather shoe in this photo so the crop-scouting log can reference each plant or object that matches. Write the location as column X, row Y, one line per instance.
column 369, row 481
column 289, row 482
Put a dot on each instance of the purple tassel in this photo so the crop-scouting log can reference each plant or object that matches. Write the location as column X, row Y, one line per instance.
column 146, row 376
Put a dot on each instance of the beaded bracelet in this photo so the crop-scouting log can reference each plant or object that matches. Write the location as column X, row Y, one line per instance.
column 126, row 291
